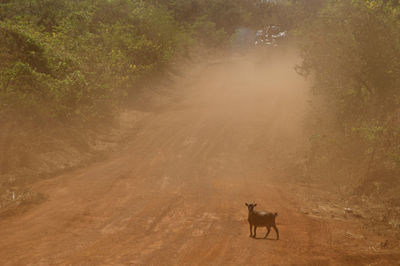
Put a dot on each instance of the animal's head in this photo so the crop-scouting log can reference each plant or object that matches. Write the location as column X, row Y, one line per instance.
column 251, row 206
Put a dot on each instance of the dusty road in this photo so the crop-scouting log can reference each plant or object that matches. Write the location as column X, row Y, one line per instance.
column 175, row 194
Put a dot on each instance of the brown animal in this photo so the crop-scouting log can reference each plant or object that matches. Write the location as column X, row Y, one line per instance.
column 261, row 219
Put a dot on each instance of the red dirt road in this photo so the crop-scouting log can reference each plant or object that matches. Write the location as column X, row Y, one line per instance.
column 175, row 194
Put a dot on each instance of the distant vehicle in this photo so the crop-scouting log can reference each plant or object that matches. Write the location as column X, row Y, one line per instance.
column 271, row 35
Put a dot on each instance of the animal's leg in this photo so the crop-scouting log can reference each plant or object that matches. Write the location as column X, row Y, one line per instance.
column 269, row 230
column 277, row 232
column 255, row 231
column 251, row 231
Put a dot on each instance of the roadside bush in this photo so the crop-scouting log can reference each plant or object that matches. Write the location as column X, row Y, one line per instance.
column 76, row 60
column 352, row 52
column 206, row 32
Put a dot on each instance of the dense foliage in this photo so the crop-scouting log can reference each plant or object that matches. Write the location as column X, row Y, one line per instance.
column 75, row 59
column 351, row 51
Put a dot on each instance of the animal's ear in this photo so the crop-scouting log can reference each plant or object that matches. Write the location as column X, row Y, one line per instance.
column 246, row 204
column 255, row 204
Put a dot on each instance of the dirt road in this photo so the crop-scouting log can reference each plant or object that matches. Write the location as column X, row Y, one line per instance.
column 175, row 194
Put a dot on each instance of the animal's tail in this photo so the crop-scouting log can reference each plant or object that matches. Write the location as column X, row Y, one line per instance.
column 275, row 214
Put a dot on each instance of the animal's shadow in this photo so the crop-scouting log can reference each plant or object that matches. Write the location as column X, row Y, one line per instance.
column 263, row 238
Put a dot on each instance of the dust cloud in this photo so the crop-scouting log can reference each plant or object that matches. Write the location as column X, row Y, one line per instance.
column 258, row 95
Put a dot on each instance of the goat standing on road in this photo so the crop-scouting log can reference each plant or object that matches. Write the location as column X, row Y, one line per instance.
column 261, row 219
